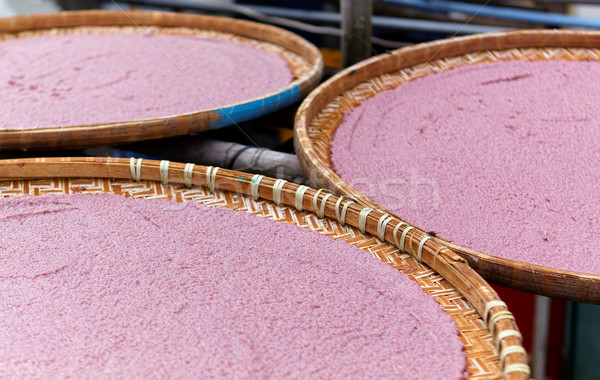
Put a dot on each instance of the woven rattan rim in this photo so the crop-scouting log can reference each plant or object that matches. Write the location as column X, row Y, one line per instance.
column 474, row 310
column 321, row 113
column 304, row 60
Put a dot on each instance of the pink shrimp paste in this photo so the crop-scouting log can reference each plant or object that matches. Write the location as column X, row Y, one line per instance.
column 497, row 157
column 49, row 81
column 106, row 286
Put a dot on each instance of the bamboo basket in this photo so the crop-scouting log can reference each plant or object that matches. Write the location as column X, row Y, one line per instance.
column 304, row 60
column 493, row 346
column 322, row 112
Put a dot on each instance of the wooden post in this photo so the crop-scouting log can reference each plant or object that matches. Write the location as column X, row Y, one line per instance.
column 356, row 30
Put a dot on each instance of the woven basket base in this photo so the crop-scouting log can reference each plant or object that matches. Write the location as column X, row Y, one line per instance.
column 303, row 58
column 482, row 358
column 314, row 133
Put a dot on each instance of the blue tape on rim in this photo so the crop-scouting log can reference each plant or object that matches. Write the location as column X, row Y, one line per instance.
column 252, row 110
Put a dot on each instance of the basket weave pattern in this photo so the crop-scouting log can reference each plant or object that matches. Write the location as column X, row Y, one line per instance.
column 482, row 358
column 322, row 112
column 323, row 126
column 303, row 59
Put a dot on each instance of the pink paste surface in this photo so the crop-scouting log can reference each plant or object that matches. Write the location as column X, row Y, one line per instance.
column 502, row 158
column 85, row 79
column 107, row 286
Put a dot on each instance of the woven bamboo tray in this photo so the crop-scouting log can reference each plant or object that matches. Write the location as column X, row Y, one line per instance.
column 304, row 60
column 322, row 112
column 493, row 352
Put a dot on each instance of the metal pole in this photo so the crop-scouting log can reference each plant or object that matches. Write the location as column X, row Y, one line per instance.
column 540, row 339
column 78, row 4
column 356, row 30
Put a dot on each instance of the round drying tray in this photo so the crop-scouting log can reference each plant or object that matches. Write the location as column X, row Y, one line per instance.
column 303, row 58
column 322, row 112
column 492, row 342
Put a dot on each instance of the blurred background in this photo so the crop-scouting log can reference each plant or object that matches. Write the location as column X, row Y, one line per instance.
column 562, row 337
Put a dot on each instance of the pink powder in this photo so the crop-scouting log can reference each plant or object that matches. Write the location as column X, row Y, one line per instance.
column 500, row 157
column 86, row 79
column 107, row 286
